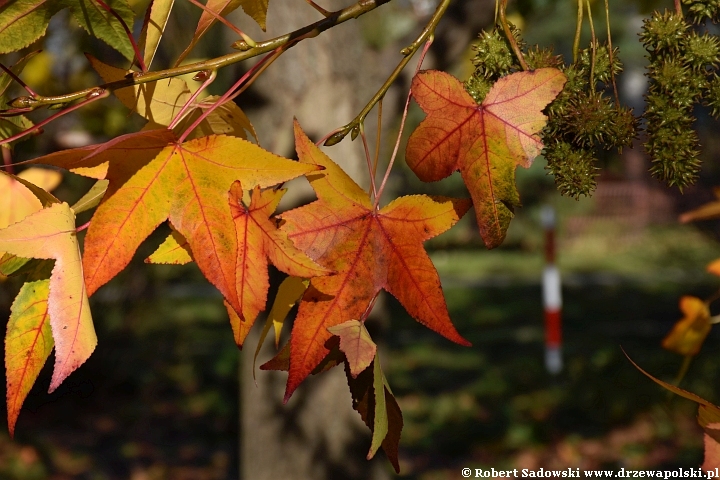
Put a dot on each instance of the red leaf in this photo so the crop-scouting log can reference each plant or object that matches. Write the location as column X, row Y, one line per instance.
column 485, row 142
column 370, row 250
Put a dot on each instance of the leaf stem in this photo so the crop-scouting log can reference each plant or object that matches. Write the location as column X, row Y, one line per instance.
column 82, row 227
column 610, row 52
column 511, row 38
column 112, row 12
column 402, row 126
column 18, row 80
column 210, row 78
column 95, row 94
column 578, row 31
column 377, row 139
column 353, row 11
column 319, row 8
column 368, row 160
column 224, row 21
column 7, row 159
column 408, row 52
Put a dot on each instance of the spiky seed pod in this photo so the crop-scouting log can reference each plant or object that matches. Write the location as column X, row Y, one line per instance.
column 700, row 10
column 701, row 51
column 494, row 57
column 623, row 128
column 573, row 168
column 674, row 148
column 537, row 57
column 603, row 71
column 712, row 95
column 478, row 87
column 589, row 117
column 663, row 32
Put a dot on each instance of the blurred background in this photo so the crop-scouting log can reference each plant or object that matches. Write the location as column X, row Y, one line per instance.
column 167, row 394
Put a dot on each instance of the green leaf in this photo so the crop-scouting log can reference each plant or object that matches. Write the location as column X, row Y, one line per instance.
column 10, row 126
column 24, row 21
column 92, row 198
column 102, row 24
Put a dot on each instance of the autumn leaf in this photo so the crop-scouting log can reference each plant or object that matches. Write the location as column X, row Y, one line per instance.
column 707, row 211
column 152, row 178
column 708, row 418
column 689, row 333
column 50, row 234
column 156, row 19
column 485, row 142
column 356, row 344
column 378, row 408
column 175, row 250
column 714, row 267
column 257, row 9
column 370, row 250
column 28, row 343
column 259, row 240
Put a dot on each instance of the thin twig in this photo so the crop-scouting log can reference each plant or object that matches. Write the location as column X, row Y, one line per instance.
column 678, row 8
column 178, row 117
column 360, row 8
column 408, row 52
column 224, row 21
column 368, row 160
column 593, row 46
column 18, row 80
column 402, row 126
column 112, row 12
column 94, row 96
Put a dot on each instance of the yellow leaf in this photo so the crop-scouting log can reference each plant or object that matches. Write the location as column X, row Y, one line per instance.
column 28, row 344
column 153, row 30
column 174, row 250
column 689, row 333
column 50, row 234
column 714, row 267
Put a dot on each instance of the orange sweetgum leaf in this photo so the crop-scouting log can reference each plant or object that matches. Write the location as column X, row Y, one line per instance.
column 356, row 344
column 259, row 240
column 369, row 250
column 28, row 343
column 50, row 234
column 689, row 333
column 485, row 142
column 708, row 418
column 175, row 250
column 152, row 178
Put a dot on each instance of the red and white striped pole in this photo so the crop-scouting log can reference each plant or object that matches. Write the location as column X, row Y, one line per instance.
column 552, row 296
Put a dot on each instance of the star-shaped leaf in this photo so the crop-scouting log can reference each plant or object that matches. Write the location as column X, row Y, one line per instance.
column 485, row 142
column 369, row 250
column 153, row 178
column 356, row 344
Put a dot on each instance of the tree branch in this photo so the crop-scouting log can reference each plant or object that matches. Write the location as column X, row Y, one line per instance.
column 138, row 78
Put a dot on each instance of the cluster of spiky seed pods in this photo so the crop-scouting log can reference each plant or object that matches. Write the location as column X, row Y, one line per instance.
column 587, row 117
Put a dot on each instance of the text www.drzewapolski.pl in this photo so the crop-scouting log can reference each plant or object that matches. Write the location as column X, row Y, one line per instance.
column 577, row 473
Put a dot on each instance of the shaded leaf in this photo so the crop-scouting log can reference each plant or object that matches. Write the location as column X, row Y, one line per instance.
column 289, row 293
column 158, row 102
column 100, row 23
column 370, row 250
column 6, row 80
column 485, row 142
column 689, row 333
column 28, row 343
column 152, row 178
column 24, row 21
column 356, row 344
column 156, row 21
column 50, row 234
column 10, row 126
column 378, row 409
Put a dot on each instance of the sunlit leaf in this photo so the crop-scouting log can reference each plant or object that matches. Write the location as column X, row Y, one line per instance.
column 485, row 142
column 157, row 18
column 689, row 333
column 24, row 21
